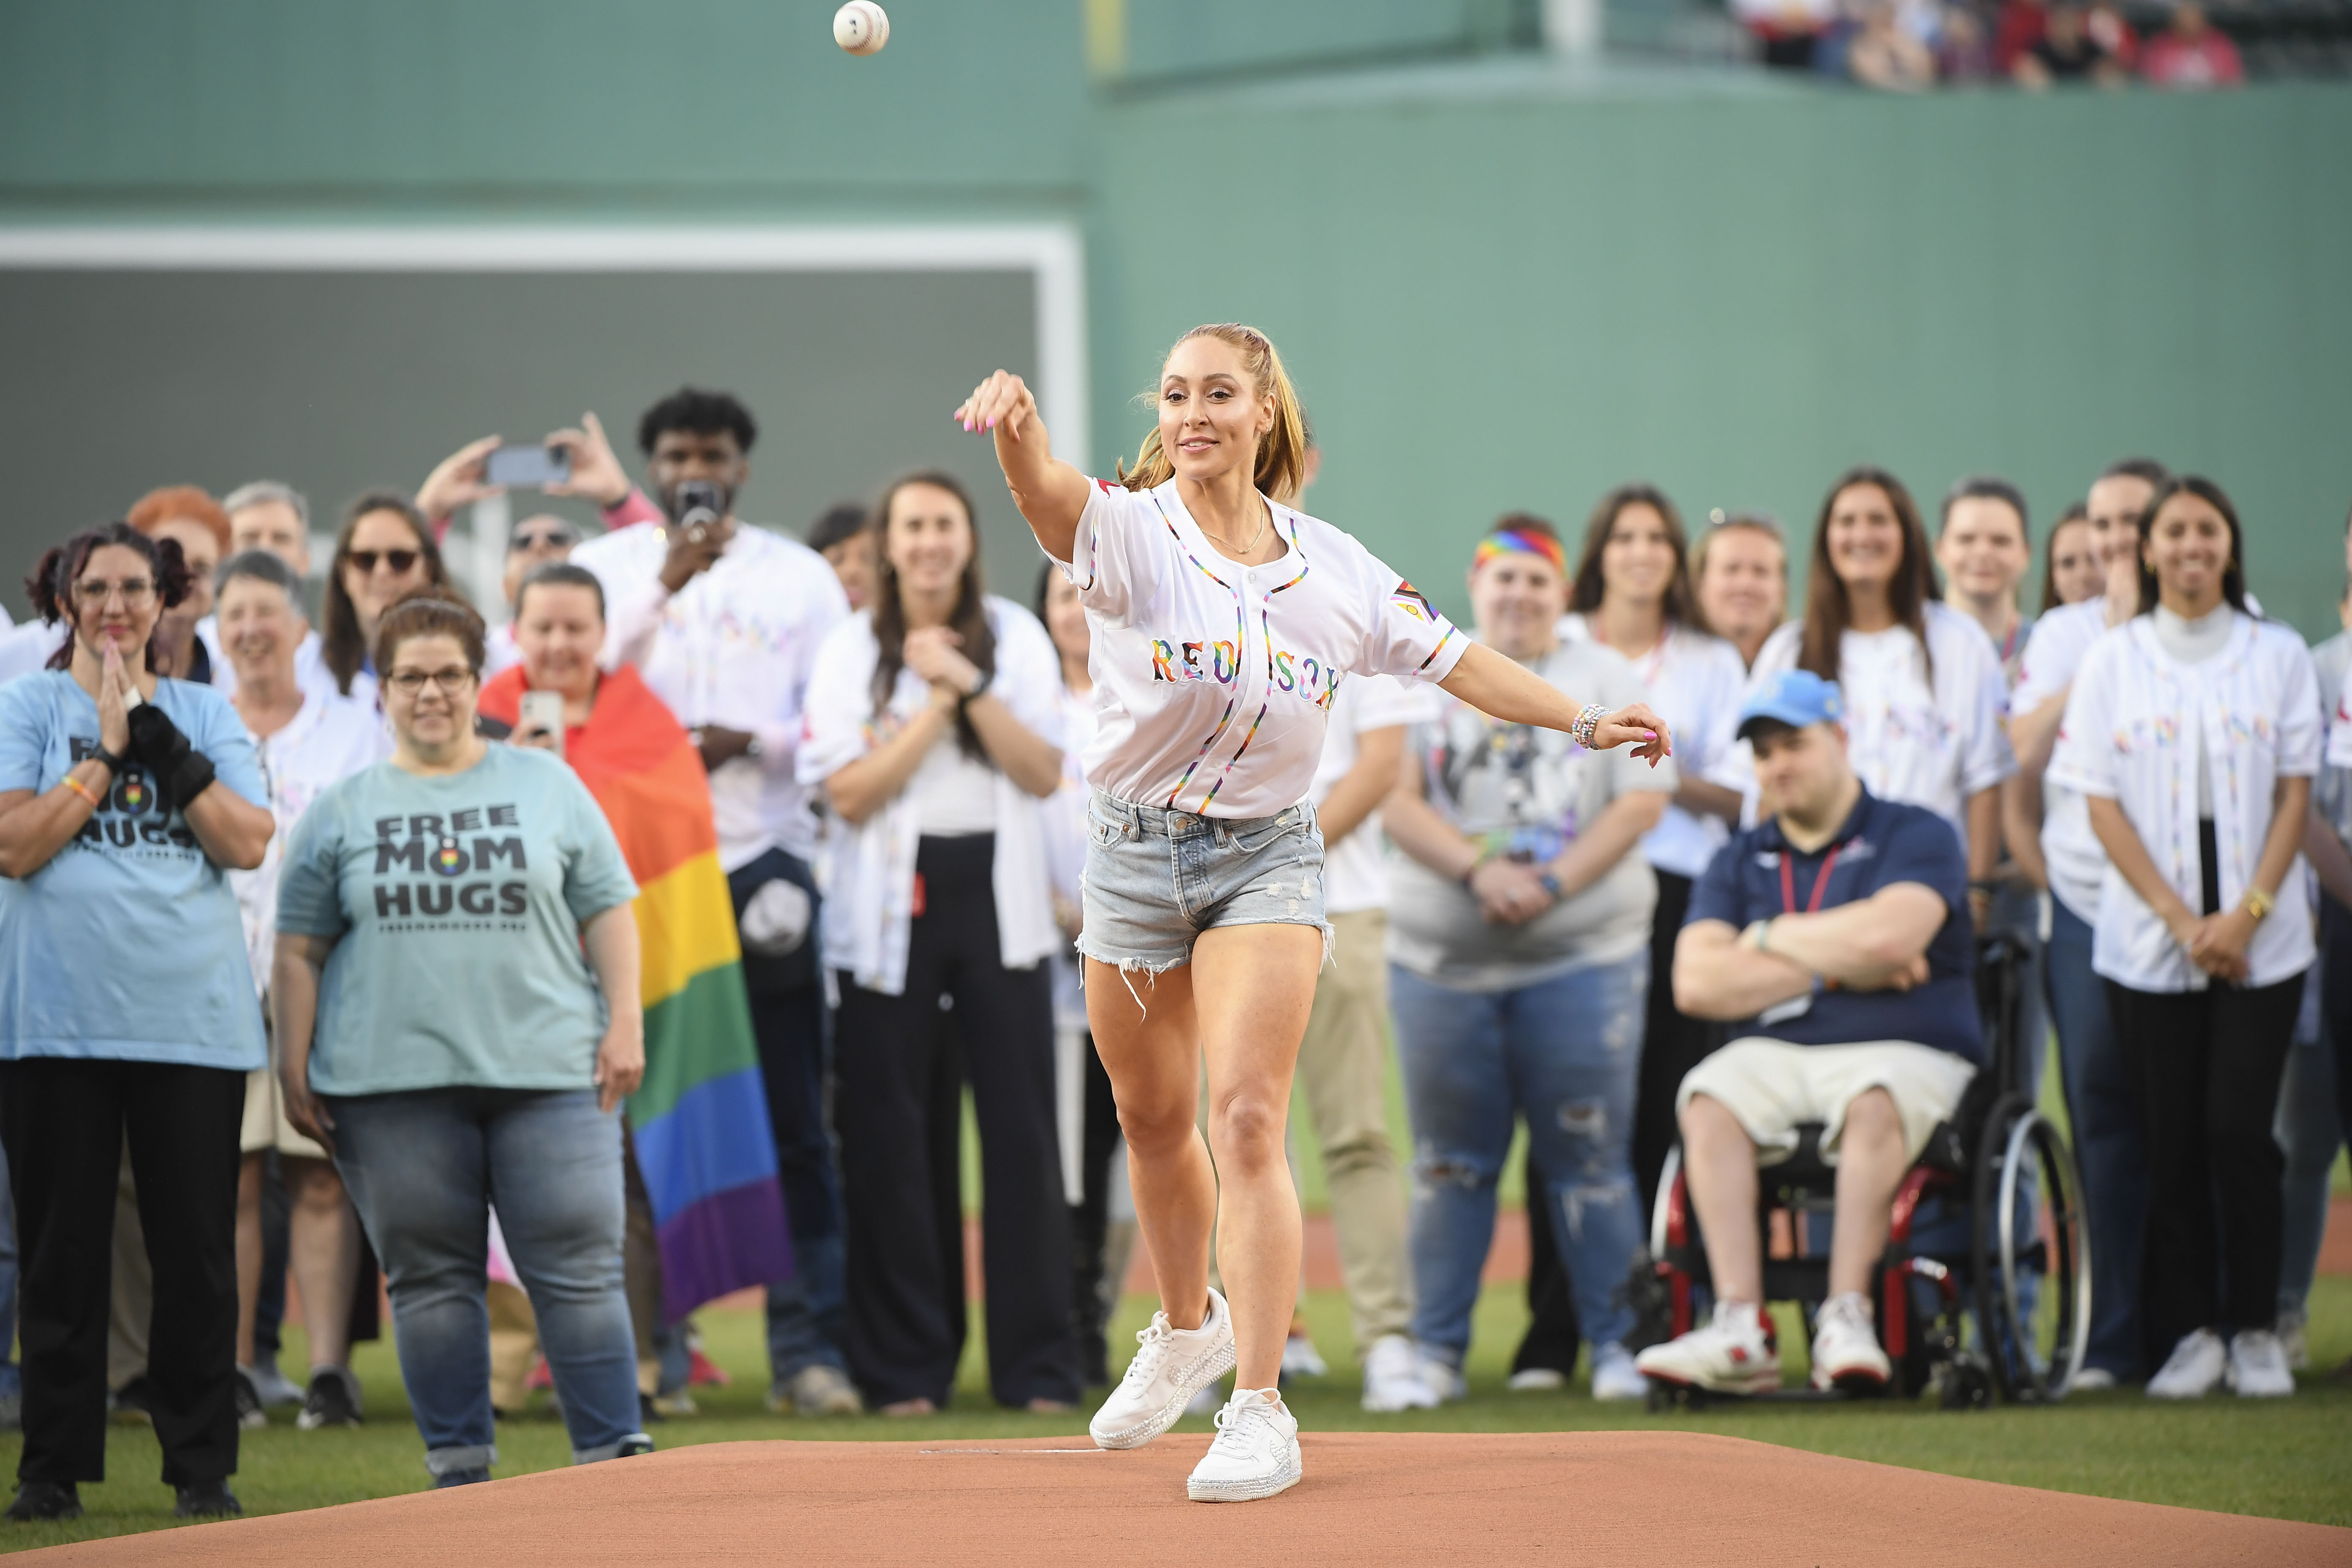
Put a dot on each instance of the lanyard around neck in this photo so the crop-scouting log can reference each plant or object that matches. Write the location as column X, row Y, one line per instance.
column 1821, row 882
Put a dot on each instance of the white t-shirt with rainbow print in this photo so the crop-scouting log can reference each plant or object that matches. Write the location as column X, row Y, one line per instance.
column 1212, row 681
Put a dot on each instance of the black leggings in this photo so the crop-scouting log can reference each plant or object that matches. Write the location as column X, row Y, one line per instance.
column 2206, row 1067
column 898, row 1106
column 65, row 1122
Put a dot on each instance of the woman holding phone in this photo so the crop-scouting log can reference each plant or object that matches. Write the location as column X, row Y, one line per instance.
column 1222, row 622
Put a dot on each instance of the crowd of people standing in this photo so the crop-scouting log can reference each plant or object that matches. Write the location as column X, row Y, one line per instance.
column 282, row 907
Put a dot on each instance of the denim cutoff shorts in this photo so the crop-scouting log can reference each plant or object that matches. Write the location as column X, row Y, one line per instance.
column 1157, row 878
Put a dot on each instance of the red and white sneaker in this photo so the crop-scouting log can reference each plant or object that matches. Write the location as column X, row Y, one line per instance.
column 1734, row 1352
column 1845, row 1347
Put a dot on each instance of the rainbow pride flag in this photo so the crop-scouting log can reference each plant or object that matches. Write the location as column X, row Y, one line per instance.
column 700, row 1121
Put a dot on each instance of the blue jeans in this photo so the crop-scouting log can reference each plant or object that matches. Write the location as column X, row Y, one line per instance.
column 2308, row 1134
column 2108, row 1144
column 1566, row 1054
column 424, row 1168
column 806, row 1313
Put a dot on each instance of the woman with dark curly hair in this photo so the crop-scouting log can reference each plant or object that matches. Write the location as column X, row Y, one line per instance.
column 126, row 1007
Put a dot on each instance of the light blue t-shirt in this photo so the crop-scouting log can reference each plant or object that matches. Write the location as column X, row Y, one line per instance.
column 457, row 902
column 127, row 945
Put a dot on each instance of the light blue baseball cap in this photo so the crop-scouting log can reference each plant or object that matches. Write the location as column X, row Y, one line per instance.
column 1795, row 698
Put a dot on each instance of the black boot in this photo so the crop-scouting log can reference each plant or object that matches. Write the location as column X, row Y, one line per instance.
column 207, row 1499
column 45, row 1499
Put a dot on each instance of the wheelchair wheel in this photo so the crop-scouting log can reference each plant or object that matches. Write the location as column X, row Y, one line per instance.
column 2030, row 1260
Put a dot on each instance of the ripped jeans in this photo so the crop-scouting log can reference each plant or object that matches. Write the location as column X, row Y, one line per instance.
column 1565, row 1053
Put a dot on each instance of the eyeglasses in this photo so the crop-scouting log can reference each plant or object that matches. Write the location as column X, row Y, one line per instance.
column 413, row 682
column 402, row 561
column 552, row 539
column 94, row 591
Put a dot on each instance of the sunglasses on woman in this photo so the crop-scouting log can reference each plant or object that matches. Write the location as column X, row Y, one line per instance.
column 402, row 561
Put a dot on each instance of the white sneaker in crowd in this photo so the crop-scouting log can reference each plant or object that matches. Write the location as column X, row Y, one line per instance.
column 2092, row 1380
column 1845, row 1346
column 1444, row 1381
column 1536, row 1380
column 1171, row 1367
column 271, row 1386
column 2292, row 1335
column 1393, row 1379
column 1256, row 1454
column 2192, row 1369
column 1615, row 1375
column 2258, row 1368
column 1730, row 1354
column 1300, row 1358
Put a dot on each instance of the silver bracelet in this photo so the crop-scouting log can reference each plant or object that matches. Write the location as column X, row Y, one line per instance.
column 1587, row 725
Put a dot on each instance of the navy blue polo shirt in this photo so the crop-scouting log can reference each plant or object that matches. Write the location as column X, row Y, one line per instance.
column 1882, row 842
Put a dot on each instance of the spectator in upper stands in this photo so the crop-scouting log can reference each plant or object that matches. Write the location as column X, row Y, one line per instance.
column 2072, row 571
column 1834, row 938
column 1739, row 576
column 1885, row 54
column 194, row 520
column 843, row 538
column 385, row 549
column 2068, row 51
column 2192, row 53
column 1787, row 31
column 723, row 619
column 1964, row 46
column 535, row 542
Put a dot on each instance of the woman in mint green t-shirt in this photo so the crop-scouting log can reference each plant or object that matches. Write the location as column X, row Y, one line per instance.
column 126, row 1010
column 456, row 990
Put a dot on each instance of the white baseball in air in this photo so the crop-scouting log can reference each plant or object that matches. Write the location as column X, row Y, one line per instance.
column 861, row 27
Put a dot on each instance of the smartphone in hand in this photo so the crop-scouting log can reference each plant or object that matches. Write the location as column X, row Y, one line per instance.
column 542, row 710
column 527, row 468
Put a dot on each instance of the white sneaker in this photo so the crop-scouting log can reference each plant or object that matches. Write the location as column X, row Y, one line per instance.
column 2258, row 1368
column 1256, row 1454
column 1845, row 1347
column 1446, row 1381
column 2292, row 1333
column 1615, row 1375
column 2192, row 1369
column 1535, row 1380
column 1393, row 1379
column 1731, row 1354
column 1170, row 1366
column 2092, row 1380
column 1300, row 1358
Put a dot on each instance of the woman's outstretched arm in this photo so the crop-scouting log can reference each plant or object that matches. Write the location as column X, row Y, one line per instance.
column 1506, row 690
column 1049, row 493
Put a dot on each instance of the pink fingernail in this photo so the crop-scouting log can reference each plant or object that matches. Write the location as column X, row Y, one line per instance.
column 1649, row 734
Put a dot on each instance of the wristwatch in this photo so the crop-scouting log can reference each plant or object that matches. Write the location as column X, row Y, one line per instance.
column 2258, row 903
column 1552, row 885
column 987, row 676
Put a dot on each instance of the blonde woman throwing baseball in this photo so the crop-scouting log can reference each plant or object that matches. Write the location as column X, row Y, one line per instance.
column 1222, row 623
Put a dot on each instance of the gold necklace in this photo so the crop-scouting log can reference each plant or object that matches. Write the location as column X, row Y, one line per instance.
column 1220, row 540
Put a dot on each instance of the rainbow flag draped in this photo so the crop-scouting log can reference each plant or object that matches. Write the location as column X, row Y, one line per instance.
column 700, row 1121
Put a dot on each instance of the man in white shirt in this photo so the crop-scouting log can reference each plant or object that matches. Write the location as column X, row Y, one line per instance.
column 269, row 515
column 723, row 620
column 2054, row 847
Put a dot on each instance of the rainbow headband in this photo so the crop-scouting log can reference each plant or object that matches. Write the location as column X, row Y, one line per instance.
column 1519, row 542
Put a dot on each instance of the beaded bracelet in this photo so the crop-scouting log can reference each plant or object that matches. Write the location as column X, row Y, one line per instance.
column 1587, row 725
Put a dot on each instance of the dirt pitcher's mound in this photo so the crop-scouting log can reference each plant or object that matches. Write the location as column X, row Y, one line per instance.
column 1418, row 1499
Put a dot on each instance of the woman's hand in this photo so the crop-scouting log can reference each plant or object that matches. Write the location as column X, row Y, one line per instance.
column 935, row 653
column 538, row 737
column 1003, row 399
column 2184, row 924
column 309, row 1116
column 620, row 1062
column 1636, row 726
column 114, row 687
column 456, row 480
column 1509, row 893
column 2219, row 944
column 596, row 472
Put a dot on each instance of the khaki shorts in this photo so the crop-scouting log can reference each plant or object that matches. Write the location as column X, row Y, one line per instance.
column 1771, row 1087
column 265, row 1126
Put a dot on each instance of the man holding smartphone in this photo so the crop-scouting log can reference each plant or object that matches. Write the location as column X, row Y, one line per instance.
column 722, row 619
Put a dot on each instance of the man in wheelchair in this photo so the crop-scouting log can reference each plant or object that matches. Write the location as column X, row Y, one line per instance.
column 1835, row 936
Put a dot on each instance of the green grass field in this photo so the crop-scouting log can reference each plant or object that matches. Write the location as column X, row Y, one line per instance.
column 2290, row 1458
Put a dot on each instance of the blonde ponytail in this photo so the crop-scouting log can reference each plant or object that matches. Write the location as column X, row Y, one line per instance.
column 1281, row 452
